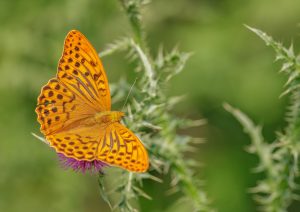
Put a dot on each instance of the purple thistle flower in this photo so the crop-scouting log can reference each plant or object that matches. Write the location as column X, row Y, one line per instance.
column 93, row 166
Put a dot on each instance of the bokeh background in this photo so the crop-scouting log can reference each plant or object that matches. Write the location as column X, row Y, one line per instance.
column 229, row 64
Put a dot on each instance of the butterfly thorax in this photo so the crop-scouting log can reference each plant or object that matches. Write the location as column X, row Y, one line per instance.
column 107, row 117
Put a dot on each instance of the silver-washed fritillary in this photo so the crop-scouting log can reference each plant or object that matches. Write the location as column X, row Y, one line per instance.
column 74, row 110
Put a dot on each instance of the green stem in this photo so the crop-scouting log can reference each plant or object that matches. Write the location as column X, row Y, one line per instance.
column 199, row 198
column 132, row 9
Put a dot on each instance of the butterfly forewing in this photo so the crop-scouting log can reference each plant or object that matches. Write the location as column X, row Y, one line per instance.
column 59, row 109
column 81, row 70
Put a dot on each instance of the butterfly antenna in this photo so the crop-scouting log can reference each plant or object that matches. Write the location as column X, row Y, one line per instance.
column 129, row 93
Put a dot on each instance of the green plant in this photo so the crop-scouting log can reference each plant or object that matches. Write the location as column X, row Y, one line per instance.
column 278, row 159
column 149, row 113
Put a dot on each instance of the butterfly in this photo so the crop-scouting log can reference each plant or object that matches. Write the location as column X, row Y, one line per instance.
column 74, row 110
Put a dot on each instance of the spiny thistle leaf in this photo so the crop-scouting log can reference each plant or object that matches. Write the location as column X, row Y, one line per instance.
column 102, row 189
column 147, row 67
column 278, row 160
column 275, row 161
column 133, row 11
column 171, row 63
column 118, row 45
column 40, row 138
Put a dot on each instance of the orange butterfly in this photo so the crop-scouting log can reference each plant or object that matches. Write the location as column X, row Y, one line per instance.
column 74, row 110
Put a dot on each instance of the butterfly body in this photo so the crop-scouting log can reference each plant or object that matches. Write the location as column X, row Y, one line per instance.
column 102, row 119
column 74, row 110
column 108, row 117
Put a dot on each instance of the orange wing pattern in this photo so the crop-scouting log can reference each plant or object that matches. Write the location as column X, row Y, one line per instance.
column 81, row 70
column 115, row 145
column 79, row 91
column 120, row 147
column 81, row 142
column 59, row 109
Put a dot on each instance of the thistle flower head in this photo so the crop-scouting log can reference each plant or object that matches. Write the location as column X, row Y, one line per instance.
column 94, row 166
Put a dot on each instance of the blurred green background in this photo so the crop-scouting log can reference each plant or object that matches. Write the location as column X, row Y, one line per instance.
column 230, row 64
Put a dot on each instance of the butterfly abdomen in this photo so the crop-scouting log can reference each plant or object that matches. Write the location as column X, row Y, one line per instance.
column 107, row 117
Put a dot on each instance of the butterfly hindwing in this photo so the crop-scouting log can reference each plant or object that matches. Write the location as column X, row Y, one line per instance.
column 120, row 147
column 115, row 145
column 81, row 142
